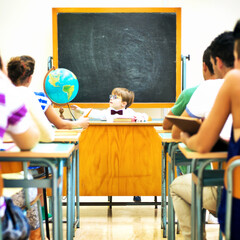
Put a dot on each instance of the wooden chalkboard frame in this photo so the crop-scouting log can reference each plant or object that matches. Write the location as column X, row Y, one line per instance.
column 177, row 11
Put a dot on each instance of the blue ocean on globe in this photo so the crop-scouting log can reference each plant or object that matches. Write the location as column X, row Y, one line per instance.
column 61, row 86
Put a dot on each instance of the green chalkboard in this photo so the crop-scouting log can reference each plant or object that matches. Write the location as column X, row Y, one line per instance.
column 135, row 50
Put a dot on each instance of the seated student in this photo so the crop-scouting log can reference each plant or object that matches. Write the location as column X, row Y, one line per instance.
column 20, row 71
column 186, row 94
column 120, row 101
column 222, row 60
column 14, row 119
column 203, row 98
column 180, row 106
column 34, row 108
column 227, row 102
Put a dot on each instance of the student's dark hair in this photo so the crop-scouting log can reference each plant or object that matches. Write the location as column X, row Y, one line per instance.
column 236, row 35
column 19, row 68
column 126, row 95
column 206, row 59
column 222, row 46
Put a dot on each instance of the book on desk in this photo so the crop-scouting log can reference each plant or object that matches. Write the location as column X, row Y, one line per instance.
column 121, row 119
column 191, row 126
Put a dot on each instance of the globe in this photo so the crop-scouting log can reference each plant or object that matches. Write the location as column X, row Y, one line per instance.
column 61, row 85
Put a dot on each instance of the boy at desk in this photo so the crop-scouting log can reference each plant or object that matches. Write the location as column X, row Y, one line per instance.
column 120, row 100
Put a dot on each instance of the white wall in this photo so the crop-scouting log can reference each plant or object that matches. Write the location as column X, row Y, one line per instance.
column 26, row 28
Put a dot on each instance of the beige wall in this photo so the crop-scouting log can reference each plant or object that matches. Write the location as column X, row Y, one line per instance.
column 26, row 28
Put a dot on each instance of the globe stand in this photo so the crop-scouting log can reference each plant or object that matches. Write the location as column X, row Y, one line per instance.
column 61, row 111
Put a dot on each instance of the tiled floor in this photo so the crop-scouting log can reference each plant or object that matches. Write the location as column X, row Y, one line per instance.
column 124, row 222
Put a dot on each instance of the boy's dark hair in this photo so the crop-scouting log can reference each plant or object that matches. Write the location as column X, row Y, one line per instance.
column 222, row 46
column 236, row 35
column 19, row 68
column 126, row 95
column 206, row 59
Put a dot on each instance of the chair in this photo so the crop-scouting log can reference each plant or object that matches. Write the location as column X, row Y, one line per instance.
column 202, row 178
column 29, row 204
column 231, row 181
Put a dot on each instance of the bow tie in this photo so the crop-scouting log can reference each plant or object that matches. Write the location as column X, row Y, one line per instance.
column 120, row 112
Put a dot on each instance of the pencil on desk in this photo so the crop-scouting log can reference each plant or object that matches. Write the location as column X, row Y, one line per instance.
column 88, row 113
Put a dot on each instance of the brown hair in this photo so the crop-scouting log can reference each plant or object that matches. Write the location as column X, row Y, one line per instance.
column 126, row 95
column 19, row 68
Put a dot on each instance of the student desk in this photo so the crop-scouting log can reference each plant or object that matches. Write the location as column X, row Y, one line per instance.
column 166, row 138
column 71, row 176
column 52, row 155
column 196, row 206
column 69, row 179
column 120, row 159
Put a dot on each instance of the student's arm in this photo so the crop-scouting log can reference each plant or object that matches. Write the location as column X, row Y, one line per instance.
column 179, row 106
column 28, row 139
column 167, row 125
column 210, row 129
column 175, row 130
column 65, row 124
column 37, row 114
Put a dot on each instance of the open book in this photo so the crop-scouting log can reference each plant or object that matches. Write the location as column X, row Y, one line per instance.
column 191, row 126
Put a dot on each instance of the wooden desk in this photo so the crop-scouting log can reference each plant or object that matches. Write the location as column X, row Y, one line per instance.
column 166, row 138
column 120, row 159
column 196, row 205
column 188, row 153
column 160, row 129
column 52, row 155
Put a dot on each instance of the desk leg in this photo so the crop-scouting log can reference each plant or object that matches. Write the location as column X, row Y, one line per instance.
column 163, row 206
column 77, row 188
column 193, row 205
column 69, row 199
column 56, row 200
column 73, row 193
column 46, row 206
column 199, row 210
column 60, row 217
column 171, row 176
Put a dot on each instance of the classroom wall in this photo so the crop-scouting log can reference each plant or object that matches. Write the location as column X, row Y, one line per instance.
column 26, row 28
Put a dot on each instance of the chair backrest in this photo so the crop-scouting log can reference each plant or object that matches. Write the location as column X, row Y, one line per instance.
column 235, row 177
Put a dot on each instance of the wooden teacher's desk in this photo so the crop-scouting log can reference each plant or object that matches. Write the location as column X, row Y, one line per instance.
column 52, row 155
column 120, row 159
